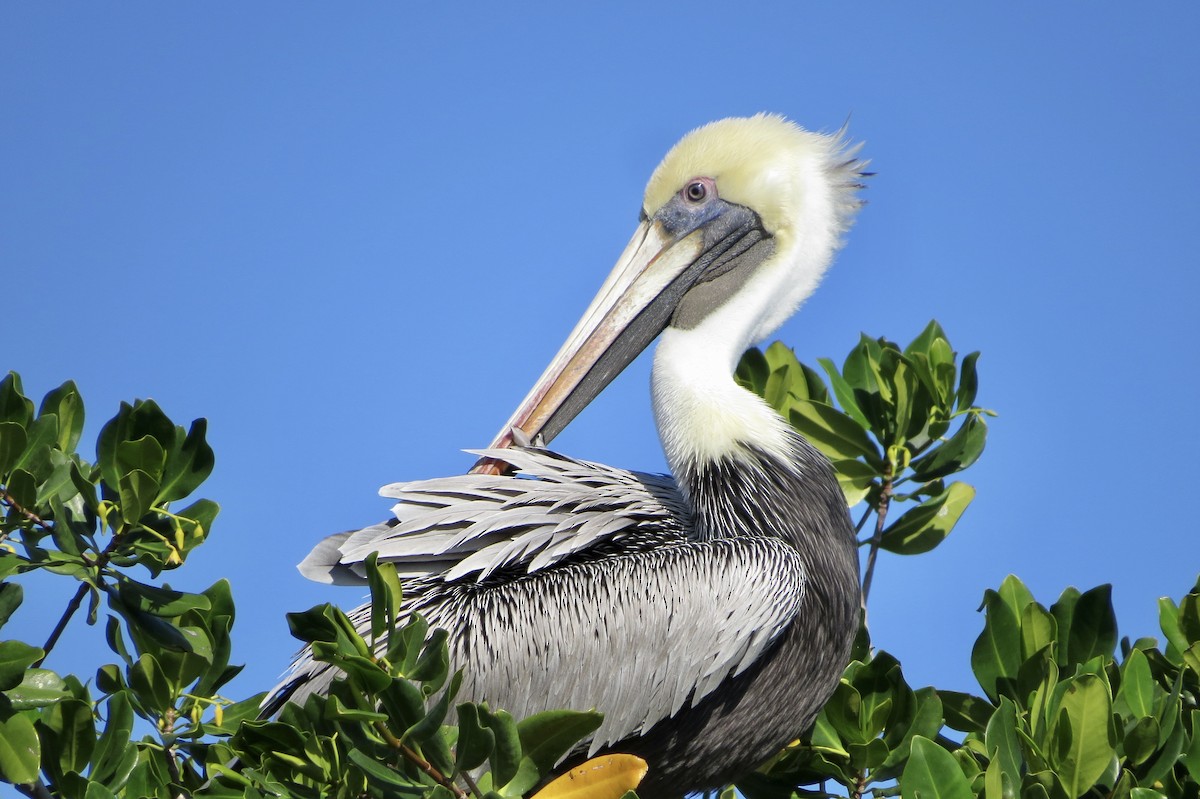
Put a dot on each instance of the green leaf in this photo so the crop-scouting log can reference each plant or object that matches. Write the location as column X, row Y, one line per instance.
column 15, row 657
column 922, row 528
column 968, row 382
column 855, row 479
column 1191, row 757
column 1137, row 689
column 65, row 403
column 1003, row 744
column 1038, row 630
column 964, row 712
column 1168, row 621
column 20, row 750
column 150, row 685
column 11, row 595
column 996, row 656
column 159, row 601
column 96, row 790
column 925, row 339
column 424, row 729
column 475, row 741
column 506, row 756
column 187, row 466
column 546, row 737
column 38, row 688
column 335, row 710
column 752, row 371
column 42, row 435
column 1140, row 740
column 131, row 424
column 22, row 489
column 137, row 491
column 378, row 773
column 1093, row 626
column 1082, row 740
column 12, row 444
column 14, row 406
column 954, row 454
column 933, row 773
column 844, row 393
column 70, row 734
column 114, row 741
column 385, row 596
column 833, row 432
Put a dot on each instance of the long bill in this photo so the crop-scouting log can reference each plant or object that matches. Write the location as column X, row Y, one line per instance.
column 631, row 309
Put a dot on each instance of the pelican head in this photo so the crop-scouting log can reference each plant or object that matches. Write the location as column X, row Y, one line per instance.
column 738, row 224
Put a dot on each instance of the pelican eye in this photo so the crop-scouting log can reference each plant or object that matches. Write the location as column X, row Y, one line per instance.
column 696, row 191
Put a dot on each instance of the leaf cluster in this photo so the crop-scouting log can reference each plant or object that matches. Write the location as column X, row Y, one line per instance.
column 894, row 422
column 107, row 526
column 390, row 726
column 1060, row 716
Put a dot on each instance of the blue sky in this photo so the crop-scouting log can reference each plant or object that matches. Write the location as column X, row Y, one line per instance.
column 350, row 237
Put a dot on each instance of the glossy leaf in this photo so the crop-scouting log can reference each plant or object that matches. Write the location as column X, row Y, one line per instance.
column 964, row 712
column 547, row 737
column 923, row 527
column 1137, row 690
column 506, row 756
column 378, row 773
column 1003, row 743
column 114, row 739
column 11, row 596
column 832, row 432
column 1038, row 630
column 189, row 463
column 996, row 656
column 844, row 393
column 65, row 403
column 475, row 741
column 933, row 773
column 159, row 601
column 855, row 479
column 14, row 405
column 12, row 445
column 968, row 382
column 41, row 438
column 15, row 657
column 20, row 750
column 137, row 491
column 38, row 688
column 69, row 734
column 956, row 453
column 1083, row 742
column 1091, row 625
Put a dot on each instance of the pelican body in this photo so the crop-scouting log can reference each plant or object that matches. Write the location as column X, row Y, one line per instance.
column 708, row 616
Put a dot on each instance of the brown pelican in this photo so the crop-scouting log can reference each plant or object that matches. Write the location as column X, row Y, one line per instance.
column 707, row 616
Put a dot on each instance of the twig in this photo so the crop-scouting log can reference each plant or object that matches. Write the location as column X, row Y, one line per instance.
column 7, row 499
column 36, row 790
column 858, row 527
column 57, row 632
column 885, row 499
column 420, row 762
column 471, row 784
column 98, row 564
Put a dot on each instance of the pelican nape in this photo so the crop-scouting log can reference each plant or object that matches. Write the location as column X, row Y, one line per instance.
column 707, row 616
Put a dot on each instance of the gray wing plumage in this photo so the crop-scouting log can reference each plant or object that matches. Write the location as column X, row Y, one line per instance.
column 581, row 587
column 469, row 526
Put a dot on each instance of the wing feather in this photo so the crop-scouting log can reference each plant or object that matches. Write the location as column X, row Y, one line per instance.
column 658, row 622
column 453, row 528
column 601, row 568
